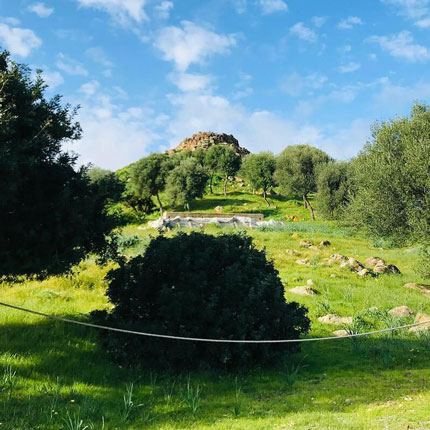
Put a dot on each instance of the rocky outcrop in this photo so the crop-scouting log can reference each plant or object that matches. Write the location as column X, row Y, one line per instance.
column 205, row 140
column 401, row 311
column 425, row 289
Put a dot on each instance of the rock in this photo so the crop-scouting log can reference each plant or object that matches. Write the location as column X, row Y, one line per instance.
column 292, row 252
column 337, row 258
column 401, row 311
column 421, row 318
column 340, row 333
column 205, row 140
column 334, row 319
column 332, row 275
column 386, row 269
column 303, row 262
column 303, row 291
column 373, row 261
column 324, row 243
column 363, row 272
column 353, row 264
column 295, row 235
column 306, row 243
column 309, row 283
column 218, row 209
column 425, row 289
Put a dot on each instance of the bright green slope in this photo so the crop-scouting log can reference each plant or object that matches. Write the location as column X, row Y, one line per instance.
column 379, row 383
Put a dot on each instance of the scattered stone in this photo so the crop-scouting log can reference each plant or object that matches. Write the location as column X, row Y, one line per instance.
column 425, row 289
column 218, row 209
column 324, row 243
column 353, row 264
column 303, row 262
column 295, row 235
column 401, row 311
column 421, row 318
column 306, row 243
column 333, row 275
column 303, row 291
column 334, row 319
column 336, row 258
column 386, row 269
column 293, row 252
column 374, row 309
column 340, row 333
column 373, row 261
column 363, row 272
column 309, row 283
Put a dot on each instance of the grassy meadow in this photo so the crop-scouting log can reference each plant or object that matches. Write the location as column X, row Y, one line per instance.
column 56, row 376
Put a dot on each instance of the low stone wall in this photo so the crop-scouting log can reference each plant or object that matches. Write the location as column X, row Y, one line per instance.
column 171, row 215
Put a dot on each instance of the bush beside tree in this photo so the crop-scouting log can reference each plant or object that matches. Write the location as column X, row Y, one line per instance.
column 203, row 286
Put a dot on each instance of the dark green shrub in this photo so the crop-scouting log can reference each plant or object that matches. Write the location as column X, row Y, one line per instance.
column 203, row 286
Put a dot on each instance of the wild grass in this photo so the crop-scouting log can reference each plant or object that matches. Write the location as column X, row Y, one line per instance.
column 55, row 376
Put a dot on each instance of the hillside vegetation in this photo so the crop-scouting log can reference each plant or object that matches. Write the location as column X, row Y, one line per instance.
column 56, row 375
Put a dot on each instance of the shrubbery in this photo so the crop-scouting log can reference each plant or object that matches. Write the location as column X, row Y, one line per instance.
column 203, row 286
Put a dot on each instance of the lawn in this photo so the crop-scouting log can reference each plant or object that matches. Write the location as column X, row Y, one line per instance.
column 54, row 375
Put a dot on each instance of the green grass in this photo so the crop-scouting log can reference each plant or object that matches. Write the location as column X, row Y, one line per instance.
column 55, row 376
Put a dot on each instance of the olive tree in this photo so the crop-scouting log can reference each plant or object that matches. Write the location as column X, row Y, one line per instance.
column 258, row 170
column 296, row 171
column 228, row 164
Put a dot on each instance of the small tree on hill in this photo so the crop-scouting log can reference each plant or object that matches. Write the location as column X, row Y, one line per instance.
column 296, row 171
column 258, row 170
column 186, row 182
column 204, row 286
column 228, row 164
column 148, row 177
column 212, row 157
column 333, row 190
column 109, row 184
column 51, row 215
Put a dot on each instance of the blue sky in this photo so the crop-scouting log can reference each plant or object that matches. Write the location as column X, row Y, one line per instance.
column 148, row 73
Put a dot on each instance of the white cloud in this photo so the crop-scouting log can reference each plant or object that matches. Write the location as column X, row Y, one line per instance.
column 414, row 10
column 350, row 22
column 294, row 84
column 303, row 32
column 402, row 45
column 98, row 55
column 122, row 11
column 272, row 6
column 349, row 68
column 41, row 10
column 19, row 41
column 114, row 136
column 90, row 88
column 70, row 66
column 189, row 82
column 163, row 9
column 53, row 79
column 240, row 6
column 191, row 44
column 319, row 21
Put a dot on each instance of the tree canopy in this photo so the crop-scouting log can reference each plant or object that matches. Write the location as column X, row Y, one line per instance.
column 51, row 215
column 258, row 170
column 296, row 171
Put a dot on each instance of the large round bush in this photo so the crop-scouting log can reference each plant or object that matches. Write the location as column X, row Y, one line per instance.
column 204, row 286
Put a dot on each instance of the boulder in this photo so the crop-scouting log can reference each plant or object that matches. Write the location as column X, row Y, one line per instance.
column 218, row 209
column 309, row 283
column 324, row 244
column 337, row 258
column 293, row 252
column 334, row 320
column 306, row 243
column 352, row 264
column 305, row 290
column 421, row 318
column 401, row 311
column 383, row 268
column 373, row 261
column 425, row 289
column 340, row 333
column 303, row 262
column 364, row 272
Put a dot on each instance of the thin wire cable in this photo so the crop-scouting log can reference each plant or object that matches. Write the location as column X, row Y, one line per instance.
column 197, row 339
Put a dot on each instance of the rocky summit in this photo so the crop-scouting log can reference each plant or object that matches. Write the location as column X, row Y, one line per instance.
column 205, row 140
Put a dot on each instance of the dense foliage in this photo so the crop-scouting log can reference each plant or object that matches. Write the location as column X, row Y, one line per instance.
column 333, row 190
column 228, row 164
column 392, row 182
column 204, row 286
column 258, row 170
column 51, row 215
column 297, row 169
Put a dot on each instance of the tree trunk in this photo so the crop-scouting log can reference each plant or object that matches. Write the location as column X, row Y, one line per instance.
column 187, row 206
column 225, row 186
column 265, row 199
column 308, row 205
column 210, row 184
column 159, row 203
column 305, row 201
